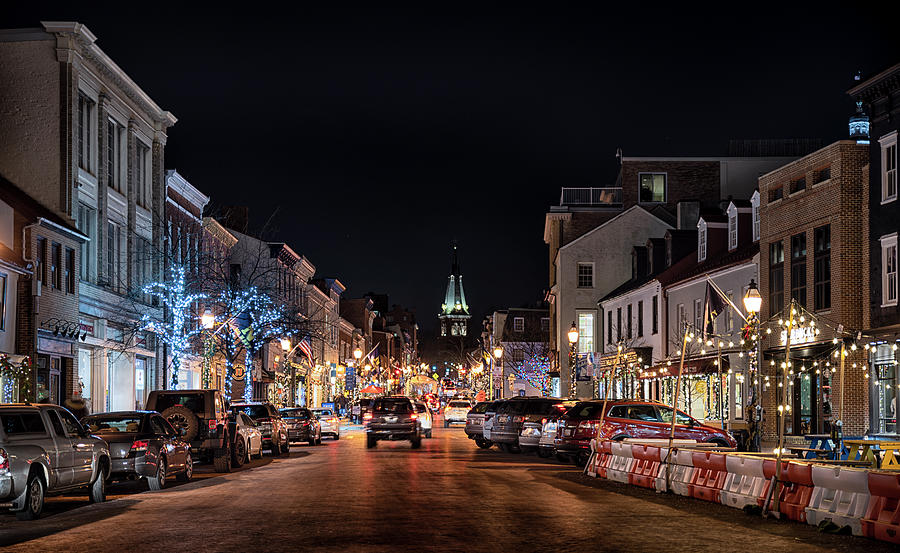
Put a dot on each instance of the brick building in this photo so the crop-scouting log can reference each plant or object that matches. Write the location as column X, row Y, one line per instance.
column 879, row 96
column 813, row 250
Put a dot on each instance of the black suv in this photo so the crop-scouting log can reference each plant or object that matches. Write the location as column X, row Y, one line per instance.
column 271, row 424
column 203, row 417
column 393, row 418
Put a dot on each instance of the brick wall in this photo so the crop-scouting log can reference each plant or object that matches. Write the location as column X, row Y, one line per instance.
column 685, row 180
column 839, row 202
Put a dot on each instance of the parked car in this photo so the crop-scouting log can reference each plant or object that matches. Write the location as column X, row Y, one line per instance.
column 270, row 423
column 489, row 415
column 247, row 438
column 329, row 423
column 628, row 419
column 456, row 411
column 536, row 415
column 302, row 425
column 203, row 415
column 546, row 443
column 360, row 408
column 510, row 420
column 475, row 424
column 45, row 450
column 426, row 419
column 142, row 444
column 393, row 418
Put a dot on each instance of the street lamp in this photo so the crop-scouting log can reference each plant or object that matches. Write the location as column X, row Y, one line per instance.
column 573, row 340
column 287, row 349
column 498, row 356
column 752, row 304
column 207, row 321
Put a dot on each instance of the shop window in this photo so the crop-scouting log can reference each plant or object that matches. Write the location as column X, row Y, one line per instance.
column 884, row 389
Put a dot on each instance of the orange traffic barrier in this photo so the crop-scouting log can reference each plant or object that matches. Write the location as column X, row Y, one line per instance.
column 882, row 520
column 645, row 469
column 708, row 477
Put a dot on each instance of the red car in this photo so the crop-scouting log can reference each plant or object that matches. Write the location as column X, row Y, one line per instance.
column 627, row 419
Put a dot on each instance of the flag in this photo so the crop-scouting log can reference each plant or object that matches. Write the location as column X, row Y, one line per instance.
column 372, row 356
column 306, row 347
column 714, row 307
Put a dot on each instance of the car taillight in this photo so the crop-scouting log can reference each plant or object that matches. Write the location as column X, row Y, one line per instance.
column 414, row 416
column 367, row 417
column 4, row 460
column 213, row 423
column 334, row 420
column 140, row 445
column 543, row 421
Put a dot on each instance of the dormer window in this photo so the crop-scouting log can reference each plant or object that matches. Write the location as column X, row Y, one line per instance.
column 732, row 226
column 701, row 240
column 754, row 203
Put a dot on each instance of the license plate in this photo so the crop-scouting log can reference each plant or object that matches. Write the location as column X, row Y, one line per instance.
column 390, row 419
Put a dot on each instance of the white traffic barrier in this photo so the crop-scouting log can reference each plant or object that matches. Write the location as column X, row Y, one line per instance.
column 681, row 471
column 621, row 462
column 660, row 484
column 840, row 495
column 591, row 467
column 744, row 483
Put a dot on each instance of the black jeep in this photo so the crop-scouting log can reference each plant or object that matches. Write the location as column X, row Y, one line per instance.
column 203, row 415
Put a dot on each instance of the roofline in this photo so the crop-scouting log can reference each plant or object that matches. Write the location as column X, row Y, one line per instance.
column 74, row 233
column 691, row 158
column 871, row 81
column 601, row 225
column 798, row 160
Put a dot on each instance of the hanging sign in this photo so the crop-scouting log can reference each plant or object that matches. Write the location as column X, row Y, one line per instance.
column 799, row 335
column 238, row 373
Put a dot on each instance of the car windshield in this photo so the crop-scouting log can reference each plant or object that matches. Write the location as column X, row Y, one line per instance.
column 460, row 404
column 252, row 411
column 195, row 402
column 126, row 423
column 301, row 414
column 22, row 423
column 393, row 405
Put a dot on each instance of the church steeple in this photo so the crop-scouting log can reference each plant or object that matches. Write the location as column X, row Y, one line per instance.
column 454, row 314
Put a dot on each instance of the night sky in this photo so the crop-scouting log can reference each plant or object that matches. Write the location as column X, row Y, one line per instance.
column 372, row 139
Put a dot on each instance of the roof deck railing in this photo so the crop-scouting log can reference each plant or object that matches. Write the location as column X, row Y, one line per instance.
column 609, row 196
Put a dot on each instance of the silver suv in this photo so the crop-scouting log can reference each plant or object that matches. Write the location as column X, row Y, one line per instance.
column 45, row 450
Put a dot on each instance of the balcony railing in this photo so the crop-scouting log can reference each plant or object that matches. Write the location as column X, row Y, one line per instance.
column 610, row 196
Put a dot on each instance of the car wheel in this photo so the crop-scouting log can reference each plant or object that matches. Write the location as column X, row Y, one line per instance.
column 34, row 499
column 312, row 440
column 98, row 488
column 370, row 442
column 416, row 443
column 222, row 459
column 188, row 470
column 158, row 482
column 239, row 453
column 286, row 448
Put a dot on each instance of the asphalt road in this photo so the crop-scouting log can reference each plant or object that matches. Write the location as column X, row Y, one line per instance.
column 446, row 496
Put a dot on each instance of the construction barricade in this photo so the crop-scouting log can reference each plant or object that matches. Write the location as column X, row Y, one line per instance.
column 621, row 461
column 882, row 519
column 744, row 483
column 645, row 468
column 840, row 496
column 708, row 477
column 681, row 471
column 796, row 489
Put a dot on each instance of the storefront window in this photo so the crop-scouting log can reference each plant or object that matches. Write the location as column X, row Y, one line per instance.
column 83, row 386
column 140, row 382
column 737, row 380
column 884, row 390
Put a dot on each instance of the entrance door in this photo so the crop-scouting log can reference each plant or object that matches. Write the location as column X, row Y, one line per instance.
column 806, row 404
column 55, row 380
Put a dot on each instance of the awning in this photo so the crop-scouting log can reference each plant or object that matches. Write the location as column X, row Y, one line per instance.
column 694, row 365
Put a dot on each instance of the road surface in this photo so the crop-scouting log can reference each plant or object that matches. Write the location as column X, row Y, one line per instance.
column 446, row 496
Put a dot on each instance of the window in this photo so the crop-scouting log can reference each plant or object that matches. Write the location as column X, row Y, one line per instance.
column 701, row 240
column 23, row 423
column 87, row 224
column 114, row 135
column 754, row 203
column 732, row 230
column 729, row 313
column 72, row 426
column 640, row 322
column 585, row 332
column 585, row 275
column 113, row 252
column 681, row 317
column 889, row 168
column 41, row 260
column 519, row 324
column 618, row 324
column 776, row 193
column 142, row 175
column 822, row 175
column 698, row 314
column 628, row 325
column 609, row 327
column 545, row 324
column 776, row 277
column 889, row 270
column 56, row 266
column 798, row 268
column 86, row 111
column 70, row 271
column 655, row 315
column 822, row 268
column 653, row 187
column 798, row 184
column 3, row 281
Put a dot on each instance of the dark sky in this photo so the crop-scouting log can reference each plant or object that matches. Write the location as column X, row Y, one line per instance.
column 380, row 136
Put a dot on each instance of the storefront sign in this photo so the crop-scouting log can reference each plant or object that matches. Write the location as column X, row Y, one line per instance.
column 86, row 327
column 49, row 345
column 238, row 373
column 799, row 335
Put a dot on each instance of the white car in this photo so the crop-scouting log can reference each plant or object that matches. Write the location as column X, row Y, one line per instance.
column 329, row 423
column 426, row 419
column 456, row 411
column 247, row 439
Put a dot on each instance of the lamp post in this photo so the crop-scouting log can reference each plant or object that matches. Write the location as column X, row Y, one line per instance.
column 752, row 304
column 357, row 355
column 498, row 356
column 207, row 321
column 573, row 340
column 287, row 349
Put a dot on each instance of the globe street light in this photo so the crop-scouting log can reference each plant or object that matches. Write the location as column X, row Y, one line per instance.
column 573, row 339
column 753, row 303
column 207, row 321
column 752, row 299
